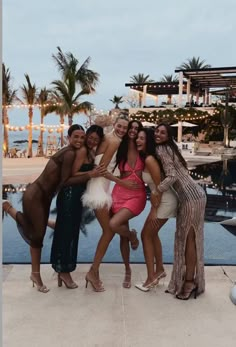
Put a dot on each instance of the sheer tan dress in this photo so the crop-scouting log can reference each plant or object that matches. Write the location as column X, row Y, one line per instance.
column 190, row 214
column 37, row 198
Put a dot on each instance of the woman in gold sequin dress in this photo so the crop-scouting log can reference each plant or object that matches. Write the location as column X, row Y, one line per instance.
column 188, row 269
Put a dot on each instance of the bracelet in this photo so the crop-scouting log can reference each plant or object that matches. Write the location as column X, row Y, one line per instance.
column 155, row 192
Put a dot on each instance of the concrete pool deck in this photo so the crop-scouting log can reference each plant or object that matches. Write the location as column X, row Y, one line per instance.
column 117, row 317
column 26, row 170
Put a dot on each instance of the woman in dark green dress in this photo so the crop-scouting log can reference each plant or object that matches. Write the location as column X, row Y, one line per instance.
column 69, row 212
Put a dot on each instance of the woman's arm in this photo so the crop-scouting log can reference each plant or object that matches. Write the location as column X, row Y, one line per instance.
column 67, row 167
column 110, row 150
column 129, row 184
column 166, row 155
column 85, row 176
column 153, row 168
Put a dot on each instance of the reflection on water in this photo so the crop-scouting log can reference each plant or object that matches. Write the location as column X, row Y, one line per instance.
column 219, row 181
column 221, row 200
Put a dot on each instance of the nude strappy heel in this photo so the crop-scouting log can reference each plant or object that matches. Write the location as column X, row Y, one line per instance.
column 96, row 283
column 71, row 285
column 40, row 288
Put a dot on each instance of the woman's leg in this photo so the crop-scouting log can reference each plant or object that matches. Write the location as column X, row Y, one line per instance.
column 92, row 276
column 103, row 218
column 152, row 248
column 34, row 252
column 190, row 262
column 190, row 256
column 119, row 224
column 125, row 252
column 158, row 255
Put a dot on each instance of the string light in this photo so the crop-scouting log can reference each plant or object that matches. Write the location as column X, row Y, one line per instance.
column 43, row 127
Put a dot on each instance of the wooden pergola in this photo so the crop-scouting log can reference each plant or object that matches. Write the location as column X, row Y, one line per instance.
column 200, row 82
column 206, row 81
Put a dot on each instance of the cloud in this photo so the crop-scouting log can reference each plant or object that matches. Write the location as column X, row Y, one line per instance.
column 122, row 37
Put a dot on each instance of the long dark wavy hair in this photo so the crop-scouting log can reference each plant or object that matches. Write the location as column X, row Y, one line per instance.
column 122, row 152
column 150, row 145
column 171, row 143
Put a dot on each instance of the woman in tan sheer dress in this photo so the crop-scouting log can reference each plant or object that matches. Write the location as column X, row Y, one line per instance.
column 188, row 269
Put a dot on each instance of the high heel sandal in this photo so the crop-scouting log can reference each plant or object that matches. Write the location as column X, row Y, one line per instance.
column 186, row 294
column 127, row 280
column 96, row 283
column 135, row 242
column 161, row 275
column 71, row 285
column 41, row 288
column 148, row 287
column 7, row 209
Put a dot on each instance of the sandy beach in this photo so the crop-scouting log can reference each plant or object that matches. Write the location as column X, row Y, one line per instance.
column 22, row 170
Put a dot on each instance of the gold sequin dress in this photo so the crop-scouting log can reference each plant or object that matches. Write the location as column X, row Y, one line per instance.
column 190, row 214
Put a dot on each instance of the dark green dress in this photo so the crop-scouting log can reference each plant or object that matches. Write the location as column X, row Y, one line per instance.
column 66, row 234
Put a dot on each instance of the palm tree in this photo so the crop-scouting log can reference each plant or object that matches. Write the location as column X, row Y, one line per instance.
column 57, row 106
column 8, row 96
column 29, row 92
column 194, row 63
column 69, row 101
column 140, row 79
column 117, row 100
column 72, row 76
column 169, row 79
column 43, row 99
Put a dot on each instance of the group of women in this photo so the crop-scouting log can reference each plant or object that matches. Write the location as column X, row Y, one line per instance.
column 82, row 173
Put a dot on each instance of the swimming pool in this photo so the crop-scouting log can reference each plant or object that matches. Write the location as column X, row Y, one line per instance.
column 219, row 243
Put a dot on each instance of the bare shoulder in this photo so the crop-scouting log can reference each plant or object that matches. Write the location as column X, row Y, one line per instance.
column 110, row 143
column 113, row 139
column 81, row 151
column 150, row 160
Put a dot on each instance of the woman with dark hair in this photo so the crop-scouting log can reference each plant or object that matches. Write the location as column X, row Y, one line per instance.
column 69, row 211
column 98, row 197
column 188, row 270
column 127, row 203
column 163, row 208
column 37, row 198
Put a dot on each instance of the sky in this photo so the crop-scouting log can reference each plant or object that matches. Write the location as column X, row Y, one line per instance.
column 123, row 38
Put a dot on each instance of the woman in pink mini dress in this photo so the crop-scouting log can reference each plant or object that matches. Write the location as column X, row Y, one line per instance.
column 127, row 203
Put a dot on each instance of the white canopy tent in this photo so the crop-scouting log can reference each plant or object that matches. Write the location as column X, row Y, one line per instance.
column 148, row 124
column 180, row 126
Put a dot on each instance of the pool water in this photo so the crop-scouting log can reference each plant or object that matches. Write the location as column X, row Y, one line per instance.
column 219, row 243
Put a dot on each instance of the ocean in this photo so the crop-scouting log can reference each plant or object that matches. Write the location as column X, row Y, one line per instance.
column 19, row 118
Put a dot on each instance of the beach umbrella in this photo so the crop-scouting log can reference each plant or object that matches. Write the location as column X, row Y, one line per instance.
column 180, row 126
column 148, row 124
